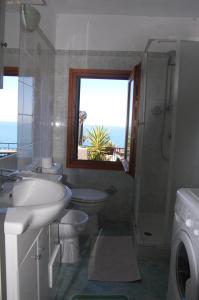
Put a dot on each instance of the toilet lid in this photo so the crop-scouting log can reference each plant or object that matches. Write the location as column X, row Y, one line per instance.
column 90, row 195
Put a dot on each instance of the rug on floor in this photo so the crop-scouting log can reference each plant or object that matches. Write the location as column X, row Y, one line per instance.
column 113, row 259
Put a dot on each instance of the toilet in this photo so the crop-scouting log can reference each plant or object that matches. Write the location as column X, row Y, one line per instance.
column 71, row 225
column 92, row 202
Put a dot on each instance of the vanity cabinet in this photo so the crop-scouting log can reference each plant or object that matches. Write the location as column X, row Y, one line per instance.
column 27, row 259
column 2, row 258
column 33, row 266
column 28, row 284
column 43, row 259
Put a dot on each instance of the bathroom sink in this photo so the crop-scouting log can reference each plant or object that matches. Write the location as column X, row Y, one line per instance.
column 34, row 203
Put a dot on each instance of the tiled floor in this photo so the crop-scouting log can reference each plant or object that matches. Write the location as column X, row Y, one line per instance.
column 72, row 278
column 151, row 223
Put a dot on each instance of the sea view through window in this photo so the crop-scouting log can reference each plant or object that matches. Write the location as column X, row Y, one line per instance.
column 102, row 118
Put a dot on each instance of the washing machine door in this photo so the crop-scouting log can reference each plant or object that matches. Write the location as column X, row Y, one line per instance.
column 184, row 267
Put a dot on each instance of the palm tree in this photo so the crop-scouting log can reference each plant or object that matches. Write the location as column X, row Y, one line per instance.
column 99, row 139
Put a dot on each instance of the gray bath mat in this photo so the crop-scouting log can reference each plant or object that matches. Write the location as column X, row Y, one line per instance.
column 113, row 259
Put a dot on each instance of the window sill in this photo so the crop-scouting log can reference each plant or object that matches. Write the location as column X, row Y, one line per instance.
column 103, row 165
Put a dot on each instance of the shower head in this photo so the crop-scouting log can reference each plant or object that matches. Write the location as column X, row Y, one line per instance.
column 30, row 17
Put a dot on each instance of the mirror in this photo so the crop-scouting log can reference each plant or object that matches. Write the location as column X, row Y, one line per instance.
column 9, row 93
column 9, row 112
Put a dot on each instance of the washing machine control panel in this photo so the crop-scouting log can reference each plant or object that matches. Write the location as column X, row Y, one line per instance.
column 192, row 225
column 187, row 211
column 196, row 232
column 189, row 223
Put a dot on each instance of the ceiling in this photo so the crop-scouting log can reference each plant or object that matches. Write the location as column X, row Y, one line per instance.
column 151, row 8
column 89, row 24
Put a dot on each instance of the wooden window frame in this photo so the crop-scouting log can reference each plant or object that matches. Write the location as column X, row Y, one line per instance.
column 136, row 77
column 11, row 71
column 73, row 108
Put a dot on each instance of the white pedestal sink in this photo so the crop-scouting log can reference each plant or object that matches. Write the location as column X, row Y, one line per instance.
column 35, row 202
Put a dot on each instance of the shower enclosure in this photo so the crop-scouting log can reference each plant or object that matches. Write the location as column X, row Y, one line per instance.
column 154, row 142
column 168, row 150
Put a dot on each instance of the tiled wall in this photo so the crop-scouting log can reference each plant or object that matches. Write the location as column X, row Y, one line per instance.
column 184, row 163
column 154, row 167
column 80, row 59
column 36, row 109
column 36, row 91
column 118, row 207
column 35, row 60
column 11, row 57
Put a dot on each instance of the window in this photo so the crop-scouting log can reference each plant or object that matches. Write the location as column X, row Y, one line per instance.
column 9, row 112
column 98, row 118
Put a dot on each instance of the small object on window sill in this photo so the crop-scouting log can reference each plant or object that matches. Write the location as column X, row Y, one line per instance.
column 125, row 165
column 46, row 162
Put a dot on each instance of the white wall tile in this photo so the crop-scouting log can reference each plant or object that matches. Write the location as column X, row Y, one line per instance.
column 36, row 88
column 119, row 206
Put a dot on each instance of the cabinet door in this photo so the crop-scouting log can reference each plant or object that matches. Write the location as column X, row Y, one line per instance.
column 28, row 285
column 53, row 236
column 43, row 253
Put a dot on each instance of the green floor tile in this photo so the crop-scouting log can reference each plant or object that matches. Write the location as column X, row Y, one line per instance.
column 73, row 284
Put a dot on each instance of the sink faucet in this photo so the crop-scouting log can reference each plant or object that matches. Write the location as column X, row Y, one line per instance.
column 36, row 169
column 4, row 178
column 4, row 171
column 8, row 175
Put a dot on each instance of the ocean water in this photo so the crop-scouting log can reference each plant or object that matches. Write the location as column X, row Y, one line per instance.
column 117, row 134
column 8, row 132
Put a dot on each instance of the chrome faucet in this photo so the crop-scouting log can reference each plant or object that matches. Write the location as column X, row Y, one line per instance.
column 4, row 171
column 36, row 169
column 8, row 175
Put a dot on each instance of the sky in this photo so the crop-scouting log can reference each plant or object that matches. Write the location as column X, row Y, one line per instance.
column 9, row 99
column 105, row 101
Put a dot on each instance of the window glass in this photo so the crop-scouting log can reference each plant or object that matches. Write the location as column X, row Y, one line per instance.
column 102, row 119
column 129, row 122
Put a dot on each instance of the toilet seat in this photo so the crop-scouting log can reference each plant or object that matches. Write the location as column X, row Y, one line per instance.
column 88, row 195
column 92, row 202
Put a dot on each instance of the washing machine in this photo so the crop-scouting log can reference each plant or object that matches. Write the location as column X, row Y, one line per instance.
column 184, row 264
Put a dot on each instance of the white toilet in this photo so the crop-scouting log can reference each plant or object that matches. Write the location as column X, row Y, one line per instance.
column 92, row 202
column 71, row 225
